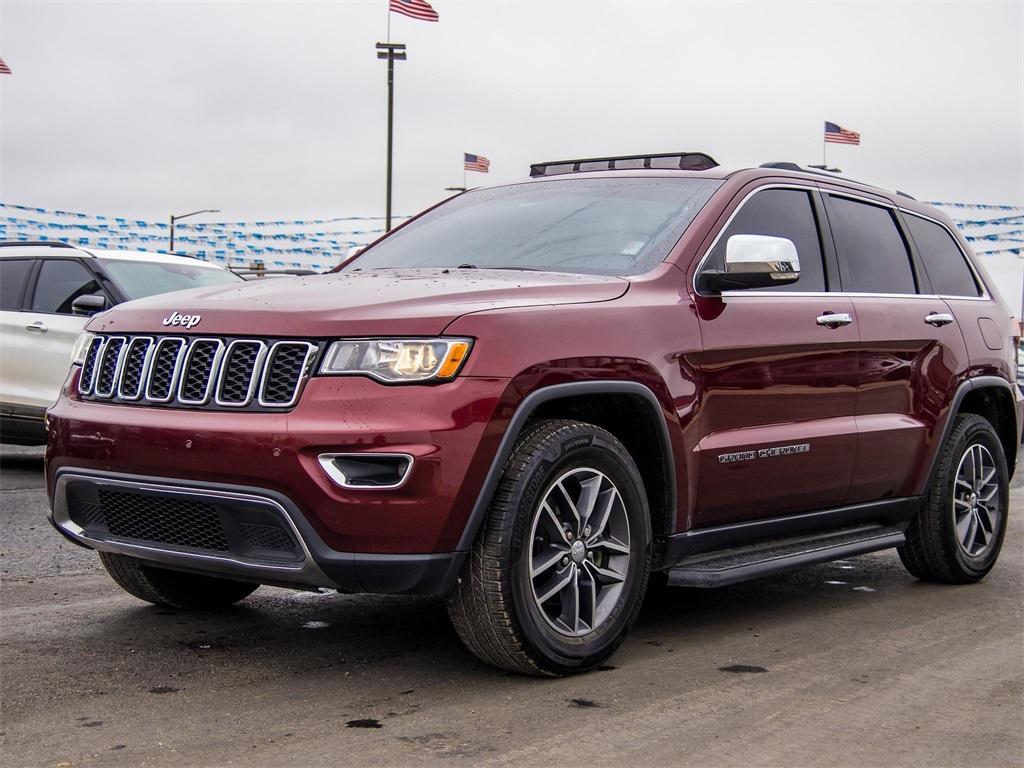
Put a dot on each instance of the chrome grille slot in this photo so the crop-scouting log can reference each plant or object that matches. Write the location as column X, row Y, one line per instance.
column 109, row 367
column 197, row 376
column 163, row 373
column 286, row 365
column 205, row 373
column 239, row 372
column 87, row 378
column 137, row 356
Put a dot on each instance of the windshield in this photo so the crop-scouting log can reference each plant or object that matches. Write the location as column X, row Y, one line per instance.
column 589, row 226
column 138, row 279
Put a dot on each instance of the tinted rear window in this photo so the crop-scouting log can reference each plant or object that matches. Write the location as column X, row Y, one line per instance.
column 604, row 226
column 943, row 261
column 13, row 273
column 872, row 255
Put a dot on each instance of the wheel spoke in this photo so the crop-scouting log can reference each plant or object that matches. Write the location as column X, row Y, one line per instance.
column 972, row 533
column 607, row 574
column 554, row 524
column 590, row 490
column 588, row 597
column 557, row 583
column 571, row 503
column 612, row 545
column 597, row 525
column 542, row 563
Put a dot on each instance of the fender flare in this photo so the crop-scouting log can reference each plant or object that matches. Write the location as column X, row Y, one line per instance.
column 526, row 409
column 966, row 387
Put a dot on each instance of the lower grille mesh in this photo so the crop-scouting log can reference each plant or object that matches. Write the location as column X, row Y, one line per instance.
column 166, row 520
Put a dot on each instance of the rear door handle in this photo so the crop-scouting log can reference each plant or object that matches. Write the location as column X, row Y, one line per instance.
column 36, row 327
column 834, row 319
column 938, row 319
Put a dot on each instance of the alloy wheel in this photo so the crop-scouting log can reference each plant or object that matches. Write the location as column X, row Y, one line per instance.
column 977, row 512
column 579, row 552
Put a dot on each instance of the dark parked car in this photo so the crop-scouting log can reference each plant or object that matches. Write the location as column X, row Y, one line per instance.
column 531, row 397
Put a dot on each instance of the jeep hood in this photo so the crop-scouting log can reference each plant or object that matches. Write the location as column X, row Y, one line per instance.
column 390, row 302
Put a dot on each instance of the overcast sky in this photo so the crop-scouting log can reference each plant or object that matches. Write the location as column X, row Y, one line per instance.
column 278, row 109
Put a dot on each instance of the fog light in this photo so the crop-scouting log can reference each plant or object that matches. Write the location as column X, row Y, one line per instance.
column 367, row 471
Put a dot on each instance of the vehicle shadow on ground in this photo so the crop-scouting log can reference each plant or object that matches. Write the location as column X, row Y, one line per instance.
column 280, row 633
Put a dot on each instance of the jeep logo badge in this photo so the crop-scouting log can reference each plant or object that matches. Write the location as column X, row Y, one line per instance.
column 186, row 321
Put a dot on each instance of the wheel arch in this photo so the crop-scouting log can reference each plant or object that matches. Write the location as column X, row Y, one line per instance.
column 992, row 398
column 607, row 404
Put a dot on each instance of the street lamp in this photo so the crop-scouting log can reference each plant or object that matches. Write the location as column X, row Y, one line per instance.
column 454, row 189
column 185, row 216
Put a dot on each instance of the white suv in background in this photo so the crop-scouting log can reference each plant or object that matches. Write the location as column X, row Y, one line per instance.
column 48, row 291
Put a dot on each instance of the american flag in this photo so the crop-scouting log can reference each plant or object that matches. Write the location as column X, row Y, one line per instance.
column 418, row 9
column 476, row 163
column 4, row 69
column 838, row 135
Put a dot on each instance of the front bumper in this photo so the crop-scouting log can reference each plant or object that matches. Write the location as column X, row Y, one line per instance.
column 307, row 562
column 398, row 539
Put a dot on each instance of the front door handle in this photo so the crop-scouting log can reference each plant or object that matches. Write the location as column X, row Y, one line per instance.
column 834, row 319
column 36, row 327
column 938, row 319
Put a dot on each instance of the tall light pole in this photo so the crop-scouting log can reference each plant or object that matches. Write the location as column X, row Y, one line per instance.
column 392, row 52
column 175, row 218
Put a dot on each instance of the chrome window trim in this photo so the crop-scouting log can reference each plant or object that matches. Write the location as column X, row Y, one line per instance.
column 214, row 371
column 95, row 366
column 714, row 243
column 825, row 294
column 172, row 388
column 117, row 367
column 311, row 350
column 307, row 569
column 257, row 373
column 338, row 477
column 985, row 295
column 144, row 374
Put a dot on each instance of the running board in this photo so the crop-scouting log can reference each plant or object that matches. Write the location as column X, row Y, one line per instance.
column 731, row 566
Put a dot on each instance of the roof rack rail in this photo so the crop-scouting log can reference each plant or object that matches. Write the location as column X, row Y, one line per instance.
column 783, row 165
column 50, row 243
column 684, row 161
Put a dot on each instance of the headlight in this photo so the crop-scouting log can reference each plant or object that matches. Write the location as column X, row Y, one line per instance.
column 397, row 360
column 81, row 348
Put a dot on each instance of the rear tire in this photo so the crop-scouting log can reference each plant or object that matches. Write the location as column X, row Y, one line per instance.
column 185, row 591
column 558, row 571
column 957, row 535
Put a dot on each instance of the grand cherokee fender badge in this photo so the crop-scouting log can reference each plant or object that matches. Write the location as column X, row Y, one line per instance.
column 188, row 321
column 764, row 453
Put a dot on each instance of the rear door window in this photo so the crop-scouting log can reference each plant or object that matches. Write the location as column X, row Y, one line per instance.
column 60, row 282
column 943, row 260
column 13, row 274
column 873, row 257
column 785, row 213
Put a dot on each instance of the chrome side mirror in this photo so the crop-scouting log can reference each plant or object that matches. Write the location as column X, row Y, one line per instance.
column 756, row 261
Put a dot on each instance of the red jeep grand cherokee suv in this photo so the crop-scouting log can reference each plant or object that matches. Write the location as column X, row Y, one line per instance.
column 532, row 396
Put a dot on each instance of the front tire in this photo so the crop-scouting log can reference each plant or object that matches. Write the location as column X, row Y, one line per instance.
column 185, row 591
column 956, row 537
column 558, row 572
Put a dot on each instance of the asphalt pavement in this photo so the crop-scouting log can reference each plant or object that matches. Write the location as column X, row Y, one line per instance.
column 846, row 664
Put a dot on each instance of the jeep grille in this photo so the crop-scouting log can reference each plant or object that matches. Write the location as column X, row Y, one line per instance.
column 197, row 372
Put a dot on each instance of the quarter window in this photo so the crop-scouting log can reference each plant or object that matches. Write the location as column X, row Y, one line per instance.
column 60, row 282
column 943, row 261
column 780, row 213
column 13, row 273
column 873, row 257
